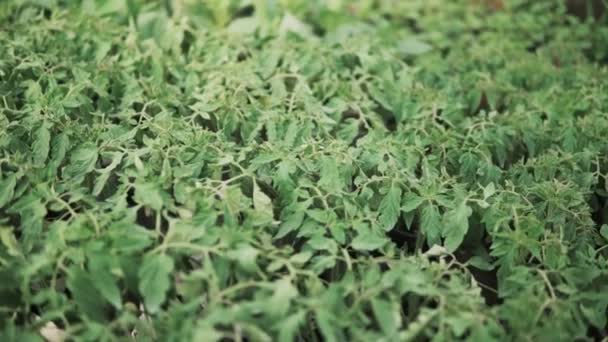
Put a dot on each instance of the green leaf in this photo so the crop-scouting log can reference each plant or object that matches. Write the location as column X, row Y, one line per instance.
column 289, row 327
column 262, row 203
column 106, row 172
column 300, row 258
column 489, row 190
column 100, row 269
column 337, row 232
column 245, row 25
column 154, row 280
column 603, row 230
column 82, row 160
column 330, row 175
column 322, row 243
column 60, row 146
column 290, row 224
column 129, row 238
column 411, row 202
column 246, row 256
column 414, row 47
column 240, row 169
column 7, row 189
column 387, row 316
column 41, row 145
column 430, row 223
column 456, row 225
column 368, row 241
column 292, row 24
column 320, row 215
column 595, row 313
column 480, row 263
column 324, row 322
column 149, row 194
column 85, row 295
column 9, row 241
column 284, row 292
column 390, row 208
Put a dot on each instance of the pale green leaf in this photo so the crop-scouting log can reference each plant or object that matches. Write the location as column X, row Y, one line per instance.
column 103, row 280
column 414, row 46
column 7, row 189
column 411, row 201
column 82, row 160
column 430, row 222
column 149, row 194
column 155, row 280
column 390, row 208
column 41, row 145
column 368, row 241
column 387, row 315
column 261, row 202
column 456, row 225
column 330, row 175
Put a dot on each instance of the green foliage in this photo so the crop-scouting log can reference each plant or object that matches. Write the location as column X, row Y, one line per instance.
column 295, row 170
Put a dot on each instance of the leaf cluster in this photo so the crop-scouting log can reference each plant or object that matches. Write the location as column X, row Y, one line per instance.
column 295, row 170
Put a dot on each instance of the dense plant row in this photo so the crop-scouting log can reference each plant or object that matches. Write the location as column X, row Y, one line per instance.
column 297, row 170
